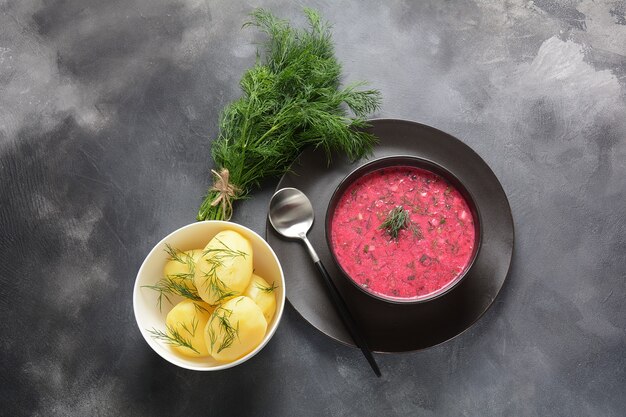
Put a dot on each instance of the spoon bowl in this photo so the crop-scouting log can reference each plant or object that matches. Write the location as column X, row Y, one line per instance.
column 291, row 213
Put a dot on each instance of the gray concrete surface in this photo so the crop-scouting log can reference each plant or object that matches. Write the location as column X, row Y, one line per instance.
column 106, row 113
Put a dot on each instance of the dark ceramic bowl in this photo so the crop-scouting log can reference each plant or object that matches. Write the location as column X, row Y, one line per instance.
column 404, row 161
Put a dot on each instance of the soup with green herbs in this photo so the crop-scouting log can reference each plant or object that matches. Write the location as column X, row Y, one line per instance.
column 403, row 233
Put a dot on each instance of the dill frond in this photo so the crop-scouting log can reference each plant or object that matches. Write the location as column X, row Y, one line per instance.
column 168, row 286
column 216, row 286
column 175, row 254
column 230, row 332
column 194, row 326
column 172, row 337
column 267, row 289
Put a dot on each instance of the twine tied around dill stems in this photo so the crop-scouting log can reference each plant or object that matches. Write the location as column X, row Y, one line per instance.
column 226, row 192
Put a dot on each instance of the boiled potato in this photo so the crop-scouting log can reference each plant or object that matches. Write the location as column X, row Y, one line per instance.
column 262, row 294
column 225, row 267
column 185, row 327
column 181, row 266
column 235, row 329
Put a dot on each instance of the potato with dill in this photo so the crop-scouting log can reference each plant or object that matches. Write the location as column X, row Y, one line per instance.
column 185, row 325
column 262, row 293
column 225, row 267
column 234, row 329
column 181, row 266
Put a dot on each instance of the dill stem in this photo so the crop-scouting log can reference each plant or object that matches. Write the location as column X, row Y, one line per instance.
column 271, row 130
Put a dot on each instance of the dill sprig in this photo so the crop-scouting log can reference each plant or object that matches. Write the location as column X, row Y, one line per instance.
column 267, row 289
column 222, row 315
column 194, row 326
column 213, row 283
column 396, row 220
column 167, row 287
column 173, row 337
column 291, row 99
column 175, row 254
column 224, row 251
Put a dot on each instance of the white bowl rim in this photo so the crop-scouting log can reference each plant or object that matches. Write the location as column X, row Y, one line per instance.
column 173, row 359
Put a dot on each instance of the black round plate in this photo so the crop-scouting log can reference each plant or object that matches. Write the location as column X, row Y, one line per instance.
column 390, row 327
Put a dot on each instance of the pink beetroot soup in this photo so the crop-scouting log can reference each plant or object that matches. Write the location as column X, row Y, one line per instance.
column 433, row 248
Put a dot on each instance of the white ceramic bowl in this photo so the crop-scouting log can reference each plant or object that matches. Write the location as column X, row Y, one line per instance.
column 192, row 236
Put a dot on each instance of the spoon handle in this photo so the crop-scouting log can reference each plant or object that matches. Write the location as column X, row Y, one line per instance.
column 346, row 317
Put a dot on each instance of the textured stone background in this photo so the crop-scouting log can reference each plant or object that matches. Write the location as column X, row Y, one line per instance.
column 106, row 110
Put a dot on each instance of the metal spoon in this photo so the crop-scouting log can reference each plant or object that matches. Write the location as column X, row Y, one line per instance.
column 291, row 215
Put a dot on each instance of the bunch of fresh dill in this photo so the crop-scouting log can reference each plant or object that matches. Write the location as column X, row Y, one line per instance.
column 291, row 99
